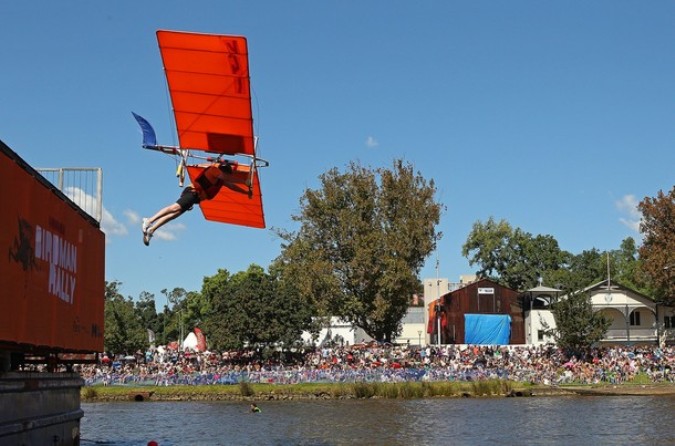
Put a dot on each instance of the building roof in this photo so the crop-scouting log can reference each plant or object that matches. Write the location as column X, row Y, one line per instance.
column 605, row 284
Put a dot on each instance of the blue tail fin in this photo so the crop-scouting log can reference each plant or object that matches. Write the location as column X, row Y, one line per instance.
column 149, row 138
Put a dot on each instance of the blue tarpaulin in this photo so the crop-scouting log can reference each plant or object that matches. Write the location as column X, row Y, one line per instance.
column 492, row 329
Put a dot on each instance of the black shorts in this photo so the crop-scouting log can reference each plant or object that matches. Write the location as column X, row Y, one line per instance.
column 188, row 199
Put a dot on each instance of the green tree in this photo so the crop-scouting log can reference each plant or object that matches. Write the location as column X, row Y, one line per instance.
column 362, row 242
column 174, row 318
column 625, row 267
column 253, row 308
column 577, row 326
column 591, row 266
column 147, row 311
column 584, row 269
column 488, row 246
column 197, row 308
column 657, row 252
column 215, row 290
column 512, row 257
column 516, row 259
column 124, row 331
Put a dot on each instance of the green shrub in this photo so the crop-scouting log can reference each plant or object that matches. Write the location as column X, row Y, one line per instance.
column 409, row 390
column 445, row 388
column 506, row 387
column 389, row 391
column 338, row 390
column 480, row 388
column 490, row 387
column 245, row 389
column 363, row 390
column 89, row 393
column 641, row 378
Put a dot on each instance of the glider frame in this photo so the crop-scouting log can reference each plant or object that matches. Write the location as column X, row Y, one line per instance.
column 150, row 143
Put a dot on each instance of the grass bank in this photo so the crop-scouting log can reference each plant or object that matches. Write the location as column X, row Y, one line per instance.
column 246, row 391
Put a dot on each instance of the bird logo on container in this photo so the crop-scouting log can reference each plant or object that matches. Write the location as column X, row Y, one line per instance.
column 22, row 250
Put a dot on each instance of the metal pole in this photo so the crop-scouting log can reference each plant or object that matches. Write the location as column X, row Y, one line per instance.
column 438, row 316
column 438, row 305
column 99, row 195
column 658, row 332
column 627, row 324
column 180, row 329
column 532, row 338
column 60, row 180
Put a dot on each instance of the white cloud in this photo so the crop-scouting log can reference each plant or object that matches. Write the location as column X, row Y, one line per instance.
column 628, row 205
column 169, row 231
column 109, row 225
column 86, row 202
column 132, row 217
column 371, row 142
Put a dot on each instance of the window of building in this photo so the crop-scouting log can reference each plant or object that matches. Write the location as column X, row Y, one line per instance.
column 540, row 335
column 669, row 321
column 635, row 318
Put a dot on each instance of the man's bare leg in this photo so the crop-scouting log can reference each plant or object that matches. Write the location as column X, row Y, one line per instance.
column 163, row 216
column 162, row 220
column 170, row 209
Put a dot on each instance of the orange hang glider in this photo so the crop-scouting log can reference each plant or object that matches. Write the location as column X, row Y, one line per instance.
column 209, row 85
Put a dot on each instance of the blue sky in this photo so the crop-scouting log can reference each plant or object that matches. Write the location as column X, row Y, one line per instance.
column 556, row 116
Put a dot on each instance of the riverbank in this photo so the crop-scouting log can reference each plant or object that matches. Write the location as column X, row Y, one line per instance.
column 625, row 389
column 404, row 390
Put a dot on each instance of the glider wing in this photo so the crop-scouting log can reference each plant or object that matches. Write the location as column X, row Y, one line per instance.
column 209, row 84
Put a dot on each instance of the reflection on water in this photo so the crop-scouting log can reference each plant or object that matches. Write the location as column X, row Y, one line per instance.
column 474, row 421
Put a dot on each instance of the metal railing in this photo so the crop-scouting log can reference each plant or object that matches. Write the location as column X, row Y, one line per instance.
column 83, row 185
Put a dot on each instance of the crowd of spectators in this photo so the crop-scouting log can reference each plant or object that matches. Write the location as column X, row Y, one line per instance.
column 384, row 363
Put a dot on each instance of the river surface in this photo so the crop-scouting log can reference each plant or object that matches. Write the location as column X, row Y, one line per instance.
column 573, row 420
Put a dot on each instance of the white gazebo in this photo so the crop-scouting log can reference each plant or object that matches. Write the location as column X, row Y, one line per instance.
column 538, row 316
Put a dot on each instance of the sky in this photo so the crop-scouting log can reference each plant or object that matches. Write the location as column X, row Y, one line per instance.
column 555, row 116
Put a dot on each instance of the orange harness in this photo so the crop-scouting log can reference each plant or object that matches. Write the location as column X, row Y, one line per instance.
column 208, row 183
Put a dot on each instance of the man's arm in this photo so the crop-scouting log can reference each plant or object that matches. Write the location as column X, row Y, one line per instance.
column 205, row 165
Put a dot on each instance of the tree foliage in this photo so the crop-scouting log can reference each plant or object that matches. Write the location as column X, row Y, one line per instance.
column 363, row 238
column 578, row 327
column 579, row 271
column 252, row 308
column 124, row 331
column 658, row 248
column 146, row 310
column 517, row 259
column 175, row 322
column 626, row 267
column 512, row 257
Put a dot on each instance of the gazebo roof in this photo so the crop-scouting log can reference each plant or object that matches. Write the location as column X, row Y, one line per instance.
column 543, row 290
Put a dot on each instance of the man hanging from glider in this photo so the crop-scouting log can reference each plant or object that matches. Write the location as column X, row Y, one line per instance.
column 206, row 186
column 209, row 84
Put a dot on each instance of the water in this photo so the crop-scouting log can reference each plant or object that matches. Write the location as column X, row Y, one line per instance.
column 537, row 421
